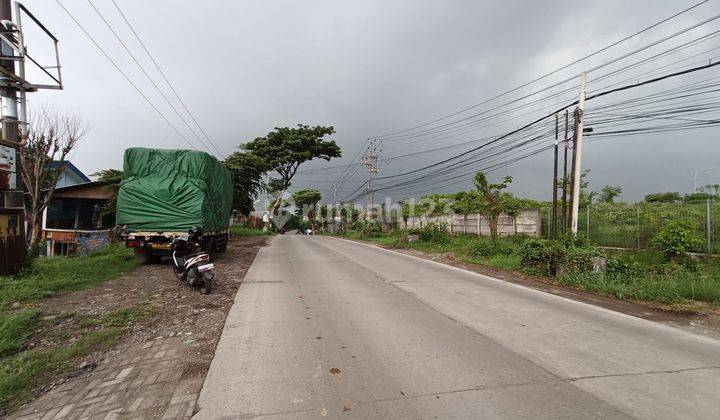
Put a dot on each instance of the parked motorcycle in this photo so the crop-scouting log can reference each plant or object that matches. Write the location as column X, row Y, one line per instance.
column 191, row 264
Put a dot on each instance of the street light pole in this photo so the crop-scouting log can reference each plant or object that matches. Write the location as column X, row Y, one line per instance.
column 695, row 177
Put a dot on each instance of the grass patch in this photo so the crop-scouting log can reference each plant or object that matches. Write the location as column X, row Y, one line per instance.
column 121, row 317
column 15, row 329
column 23, row 370
column 642, row 275
column 238, row 230
column 671, row 288
column 45, row 277
column 505, row 262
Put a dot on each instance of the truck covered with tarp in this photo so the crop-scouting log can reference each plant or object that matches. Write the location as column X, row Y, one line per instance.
column 166, row 192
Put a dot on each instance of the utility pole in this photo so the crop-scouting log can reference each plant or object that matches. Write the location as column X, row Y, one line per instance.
column 696, row 176
column 577, row 154
column 553, row 228
column 335, row 191
column 565, row 174
column 12, row 210
column 8, row 94
column 13, row 132
column 369, row 159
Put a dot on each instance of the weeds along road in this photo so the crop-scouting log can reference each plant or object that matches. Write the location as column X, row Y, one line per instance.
column 324, row 327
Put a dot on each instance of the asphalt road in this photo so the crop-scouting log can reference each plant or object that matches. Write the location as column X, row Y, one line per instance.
column 324, row 327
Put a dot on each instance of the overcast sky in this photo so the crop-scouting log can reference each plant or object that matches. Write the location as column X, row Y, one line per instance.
column 366, row 67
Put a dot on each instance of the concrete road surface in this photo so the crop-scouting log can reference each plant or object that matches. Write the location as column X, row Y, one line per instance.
column 324, row 327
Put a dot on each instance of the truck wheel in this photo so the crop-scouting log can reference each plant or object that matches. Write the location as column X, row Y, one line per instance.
column 210, row 247
column 142, row 256
column 223, row 244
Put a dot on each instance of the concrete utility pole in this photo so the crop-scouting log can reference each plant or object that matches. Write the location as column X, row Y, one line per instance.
column 565, row 174
column 553, row 227
column 577, row 155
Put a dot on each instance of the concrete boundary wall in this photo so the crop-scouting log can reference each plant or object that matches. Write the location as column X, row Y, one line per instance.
column 527, row 222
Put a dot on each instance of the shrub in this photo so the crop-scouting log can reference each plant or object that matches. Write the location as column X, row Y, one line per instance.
column 546, row 257
column 540, row 256
column 675, row 239
column 485, row 247
column 621, row 267
column 435, row 233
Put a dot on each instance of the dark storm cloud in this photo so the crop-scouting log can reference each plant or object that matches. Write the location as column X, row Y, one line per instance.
column 366, row 67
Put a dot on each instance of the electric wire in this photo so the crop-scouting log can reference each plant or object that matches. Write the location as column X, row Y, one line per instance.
column 165, row 78
column 125, row 76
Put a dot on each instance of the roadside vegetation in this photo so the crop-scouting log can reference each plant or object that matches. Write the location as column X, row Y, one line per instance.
column 240, row 230
column 665, row 274
column 22, row 365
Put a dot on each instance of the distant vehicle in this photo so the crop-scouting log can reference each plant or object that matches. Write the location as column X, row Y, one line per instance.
column 308, row 232
column 166, row 192
column 190, row 264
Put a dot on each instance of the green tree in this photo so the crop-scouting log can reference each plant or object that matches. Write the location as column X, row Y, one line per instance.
column 697, row 197
column 111, row 179
column 246, row 171
column 306, row 202
column 586, row 196
column 285, row 149
column 663, row 197
column 496, row 202
column 609, row 193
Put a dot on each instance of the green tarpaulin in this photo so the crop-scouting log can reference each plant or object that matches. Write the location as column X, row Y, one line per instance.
column 172, row 191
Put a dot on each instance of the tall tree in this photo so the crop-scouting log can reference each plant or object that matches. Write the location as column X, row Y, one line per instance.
column 496, row 202
column 306, row 202
column 110, row 178
column 246, row 171
column 664, row 197
column 51, row 136
column 609, row 193
column 285, row 149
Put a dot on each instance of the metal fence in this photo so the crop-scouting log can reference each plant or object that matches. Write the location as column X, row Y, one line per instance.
column 633, row 225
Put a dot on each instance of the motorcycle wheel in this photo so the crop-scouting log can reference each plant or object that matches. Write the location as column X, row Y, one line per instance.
column 193, row 277
column 178, row 271
column 205, row 285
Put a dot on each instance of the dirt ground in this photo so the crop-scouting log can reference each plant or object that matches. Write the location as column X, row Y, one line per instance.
column 178, row 312
column 699, row 318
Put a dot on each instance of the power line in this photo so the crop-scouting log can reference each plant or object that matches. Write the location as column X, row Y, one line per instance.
column 433, row 130
column 550, row 73
column 162, row 73
column 82, row 28
column 150, row 79
column 672, row 127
